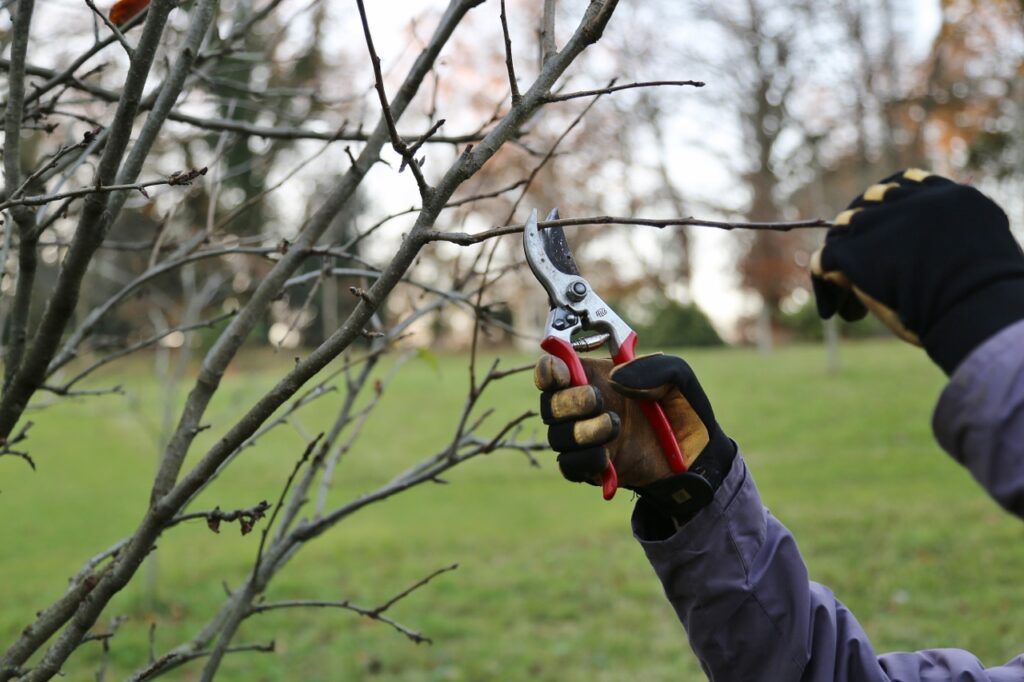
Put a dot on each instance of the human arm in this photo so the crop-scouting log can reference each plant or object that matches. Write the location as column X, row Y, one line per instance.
column 935, row 260
column 735, row 577
column 937, row 263
column 979, row 419
column 732, row 571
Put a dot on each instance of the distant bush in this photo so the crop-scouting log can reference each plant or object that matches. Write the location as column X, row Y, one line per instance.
column 675, row 324
column 805, row 325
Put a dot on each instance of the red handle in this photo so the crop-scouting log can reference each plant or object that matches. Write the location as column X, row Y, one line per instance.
column 652, row 410
column 654, row 413
column 564, row 351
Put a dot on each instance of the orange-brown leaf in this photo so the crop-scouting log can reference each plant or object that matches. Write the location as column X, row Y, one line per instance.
column 124, row 10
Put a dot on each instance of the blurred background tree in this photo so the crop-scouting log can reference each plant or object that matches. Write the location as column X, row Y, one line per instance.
column 806, row 104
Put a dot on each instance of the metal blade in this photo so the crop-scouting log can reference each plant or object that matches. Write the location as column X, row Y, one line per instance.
column 557, row 248
column 537, row 257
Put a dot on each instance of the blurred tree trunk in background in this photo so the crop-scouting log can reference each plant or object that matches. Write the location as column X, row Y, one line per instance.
column 764, row 62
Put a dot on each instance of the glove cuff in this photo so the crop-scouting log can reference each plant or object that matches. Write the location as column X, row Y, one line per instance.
column 681, row 496
column 974, row 320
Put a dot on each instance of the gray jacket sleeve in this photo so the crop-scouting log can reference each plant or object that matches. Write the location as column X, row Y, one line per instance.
column 980, row 417
column 736, row 579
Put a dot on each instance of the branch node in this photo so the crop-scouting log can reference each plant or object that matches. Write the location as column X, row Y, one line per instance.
column 362, row 294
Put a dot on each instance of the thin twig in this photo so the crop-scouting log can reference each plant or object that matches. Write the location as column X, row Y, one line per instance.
column 616, row 88
column 94, row 561
column 185, row 178
column 67, row 76
column 280, row 501
column 297, row 316
column 397, row 143
column 113, row 29
column 22, row 434
column 145, row 343
column 420, row 142
column 62, row 391
column 175, row 659
column 509, row 64
column 55, row 159
column 246, row 518
column 331, row 133
column 105, row 638
column 376, row 613
column 465, row 239
column 335, row 451
column 551, row 153
column 350, row 245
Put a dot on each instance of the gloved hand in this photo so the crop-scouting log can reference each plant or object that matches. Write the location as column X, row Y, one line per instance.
column 590, row 425
column 933, row 259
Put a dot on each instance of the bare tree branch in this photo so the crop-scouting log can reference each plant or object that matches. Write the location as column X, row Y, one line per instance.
column 509, row 63
column 397, row 143
column 548, row 48
column 173, row 660
column 12, row 178
column 105, row 638
column 376, row 613
column 351, row 244
column 113, row 29
column 176, row 179
column 246, row 518
column 465, row 239
column 67, row 623
column 616, row 88
column 89, row 234
column 252, row 588
column 228, row 343
column 6, row 449
column 245, row 128
column 16, row 94
column 145, row 343
column 55, row 79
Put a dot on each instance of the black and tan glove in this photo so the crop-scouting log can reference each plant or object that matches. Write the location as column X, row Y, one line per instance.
column 933, row 259
column 600, row 422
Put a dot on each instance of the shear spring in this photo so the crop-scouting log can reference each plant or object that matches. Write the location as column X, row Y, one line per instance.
column 589, row 343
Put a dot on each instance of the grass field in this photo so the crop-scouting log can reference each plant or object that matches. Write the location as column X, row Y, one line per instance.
column 551, row 585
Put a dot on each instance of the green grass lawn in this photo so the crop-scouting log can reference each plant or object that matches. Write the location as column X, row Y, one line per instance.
column 551, row 585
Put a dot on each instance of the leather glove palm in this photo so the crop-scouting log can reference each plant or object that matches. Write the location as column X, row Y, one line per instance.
column 590, row 425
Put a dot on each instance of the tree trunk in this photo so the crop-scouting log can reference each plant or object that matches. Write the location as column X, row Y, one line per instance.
column 764, row 329
column 832, row 362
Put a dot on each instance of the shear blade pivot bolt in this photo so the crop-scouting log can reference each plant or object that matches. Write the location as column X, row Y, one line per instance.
column 577, row 291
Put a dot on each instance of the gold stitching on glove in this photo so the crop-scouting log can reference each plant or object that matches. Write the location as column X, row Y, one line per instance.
column 846, row 216
column 596, row 431
column 877, row 192
column 915, row 174
column 888, row 317
column 835, row 276
column 816, row 262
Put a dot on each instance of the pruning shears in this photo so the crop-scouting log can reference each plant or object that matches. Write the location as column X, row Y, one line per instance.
column 577, row 311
